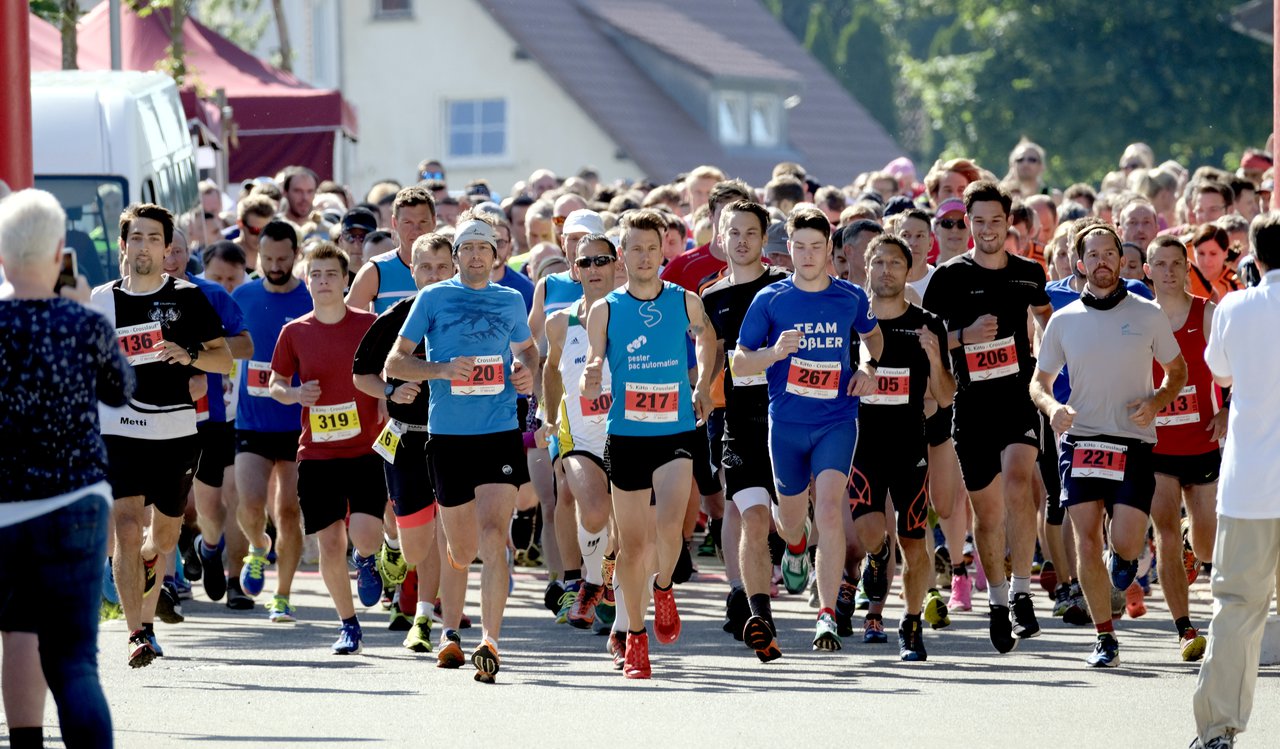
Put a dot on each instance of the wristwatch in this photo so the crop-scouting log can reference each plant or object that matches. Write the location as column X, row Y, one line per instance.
column 389, row 390
column 193, row 352
column 874, row 362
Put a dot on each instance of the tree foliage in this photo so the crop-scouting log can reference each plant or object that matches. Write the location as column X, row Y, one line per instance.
column 1082, row 79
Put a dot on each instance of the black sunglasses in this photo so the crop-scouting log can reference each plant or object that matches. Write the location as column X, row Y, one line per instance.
column 951, row 223
column 1028, row 160
column 598, row 261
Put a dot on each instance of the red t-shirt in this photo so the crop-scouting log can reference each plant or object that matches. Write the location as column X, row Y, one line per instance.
column 344, row 422
column 689, row 268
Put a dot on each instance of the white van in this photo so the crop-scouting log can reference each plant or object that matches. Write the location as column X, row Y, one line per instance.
column 102, row 140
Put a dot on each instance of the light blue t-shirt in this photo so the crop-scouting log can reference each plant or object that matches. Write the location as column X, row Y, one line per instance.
column 457, row 320
column 810, row 386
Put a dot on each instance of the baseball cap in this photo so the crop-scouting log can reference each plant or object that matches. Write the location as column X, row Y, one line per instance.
column 776, row 239
column 898, row 204
column 472, row 230
column 360, row 218
column 584, row 221
column 950, row 205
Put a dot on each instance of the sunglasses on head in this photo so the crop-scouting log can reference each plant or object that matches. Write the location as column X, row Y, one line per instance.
column 951, row 223
column 598, row 261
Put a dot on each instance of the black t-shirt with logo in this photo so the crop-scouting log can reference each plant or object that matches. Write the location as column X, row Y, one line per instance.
column 895, row 414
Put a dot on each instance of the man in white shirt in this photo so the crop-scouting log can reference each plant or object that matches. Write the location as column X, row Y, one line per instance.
column 1248, row 542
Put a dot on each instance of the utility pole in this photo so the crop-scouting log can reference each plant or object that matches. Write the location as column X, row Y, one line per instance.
column 15, row 104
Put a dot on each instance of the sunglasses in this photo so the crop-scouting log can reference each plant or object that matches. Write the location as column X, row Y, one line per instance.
column 598, row 261
column 558, row 220
column 951, row 223
column 253, row 231
column 1028, row 160
column 355, row 236
column 433, row 175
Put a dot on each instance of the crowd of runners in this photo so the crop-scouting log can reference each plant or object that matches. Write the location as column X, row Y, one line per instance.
column 970, row 381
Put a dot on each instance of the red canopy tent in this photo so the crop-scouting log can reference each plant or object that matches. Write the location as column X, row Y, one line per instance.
column 280, row 120
column 46, row 44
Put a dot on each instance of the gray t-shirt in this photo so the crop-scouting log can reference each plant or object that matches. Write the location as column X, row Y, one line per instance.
column 1108, row 356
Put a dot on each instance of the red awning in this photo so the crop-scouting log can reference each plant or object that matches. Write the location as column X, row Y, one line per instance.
column 46, row 44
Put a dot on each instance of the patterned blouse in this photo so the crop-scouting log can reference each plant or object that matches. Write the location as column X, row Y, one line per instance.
column 57, row 360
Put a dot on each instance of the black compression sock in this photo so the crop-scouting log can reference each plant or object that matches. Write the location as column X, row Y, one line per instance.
column 1182, row 624
column 761, row 606
column 31, row 737
column 572, row 575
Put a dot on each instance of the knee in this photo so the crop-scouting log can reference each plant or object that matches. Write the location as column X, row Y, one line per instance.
column 128, row 531
column 755, row 523
column 332, row 543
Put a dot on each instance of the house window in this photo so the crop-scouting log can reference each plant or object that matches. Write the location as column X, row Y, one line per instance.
column 477, row 128
column 392, row 9
column 731, row 118
column 766, row 117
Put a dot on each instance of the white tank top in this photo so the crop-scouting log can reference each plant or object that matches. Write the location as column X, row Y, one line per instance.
column 582, row 422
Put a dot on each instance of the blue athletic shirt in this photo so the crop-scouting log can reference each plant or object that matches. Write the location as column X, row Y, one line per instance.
column 648, row 357
column 233, row 323
column 265, row 314
column 1060, row 295
column 457, row 320
column 560, row 291
column 809, row 387
column 395, row 280
column 521, row 283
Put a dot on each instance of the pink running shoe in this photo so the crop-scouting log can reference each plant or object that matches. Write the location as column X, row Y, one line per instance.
column 979, row 575
column 961, row 593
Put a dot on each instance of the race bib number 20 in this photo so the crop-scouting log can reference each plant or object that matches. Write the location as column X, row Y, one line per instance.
column 488, row 377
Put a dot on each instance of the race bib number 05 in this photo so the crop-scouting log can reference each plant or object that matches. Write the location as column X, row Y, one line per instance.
column 1093, row 459
column 988, row 361
column 653, row 402
column 141, row 344
column 893, row 387
column 1185, row 409
column 334, row 423
column 487, row 378
column 814, row 379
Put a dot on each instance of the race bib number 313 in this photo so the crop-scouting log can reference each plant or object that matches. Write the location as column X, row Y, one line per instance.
column 1094, row 459
column 487, row 378
column 1185, row 409
column 141, row 344
column 653, row 402
column 813, row 379
column 334, row 423
column 991, row 360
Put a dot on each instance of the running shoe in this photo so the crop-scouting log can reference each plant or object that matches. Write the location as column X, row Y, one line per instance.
column 182, row 587
column 150, row 631
column 1025, row 625
column 485, row 659
column 1123, row 573
column 109, row 592
column 1135, row 601
column 236, row 599
column 281, row 612
column 1118, row 602
column 875, row 573
column 979, row 575
column 450, row 653
column 109, row 611
column 1106, row 652
column 1077, row 610
column 607, row 566
column 942, row 566
column 1189, row 561
column 254, row 574
column 1049, row 578
column 617, row 647
column 873, row 630
column 191, row 567
column 149, row 575
column 666, row 617
column 845, row 608
column 141, row 651
column 1061, row 600
column 463, row 623
column 388, row 597
column 685, row 568
column 368, row 581
column 758, row 634
column 825, row 635
column 583, row 612
column 635, row 663
column 961, row 593
column 418, row 638
column 349, row 640
column 814, row 601
column 399, row 621
column 606, row 612
column 1217, row 742
column 860, row 600
column 168, row 607
column 911, row 641
column 935, row 610
column 391, row 565
column 708, row 546
column 567, row 599
column 736, row 612
column 795, row 566
column 970, row 551
column 1191, row 644
column 1002, row 629
column 551, row 597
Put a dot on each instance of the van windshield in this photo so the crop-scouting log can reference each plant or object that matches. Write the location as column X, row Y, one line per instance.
column 93, row 205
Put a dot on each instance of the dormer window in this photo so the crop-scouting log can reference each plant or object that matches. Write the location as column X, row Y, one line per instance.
column 747, row 120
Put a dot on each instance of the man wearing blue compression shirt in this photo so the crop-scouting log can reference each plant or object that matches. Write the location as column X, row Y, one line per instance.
column 799, row 332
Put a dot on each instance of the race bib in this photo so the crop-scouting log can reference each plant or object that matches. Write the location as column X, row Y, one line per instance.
column 813, row 379
column 258, row 379
column 1185, row 409
column 746, row 380
column 988, row 361
column 488, row 377
column 655, row 402
column 334, row 423
column 202, row 409
column 388, row 441
column 595, row 410
column 141, row 344
column 893, row 387
column 1094, row 459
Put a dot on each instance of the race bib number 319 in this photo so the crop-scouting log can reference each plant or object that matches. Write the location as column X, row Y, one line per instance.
column 334, row 423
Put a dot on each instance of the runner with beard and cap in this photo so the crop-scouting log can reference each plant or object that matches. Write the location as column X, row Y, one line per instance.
column 1107, row 341
column 267, row 432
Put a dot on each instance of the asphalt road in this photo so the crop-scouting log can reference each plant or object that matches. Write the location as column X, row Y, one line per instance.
column 234, row 679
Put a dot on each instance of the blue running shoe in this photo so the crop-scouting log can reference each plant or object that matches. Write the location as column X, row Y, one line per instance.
column 109, row 592
column 254, row 574
column 368, row 579
column 1123, row 573
column 349, row 639
column 149, row 632
column 1106, row 652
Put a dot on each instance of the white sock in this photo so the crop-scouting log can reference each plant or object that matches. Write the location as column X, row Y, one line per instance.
column 1021, row 585
column 620, row 621
column 998, row 593
column 592, row 547
column 392, row 543
column 423, row 609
